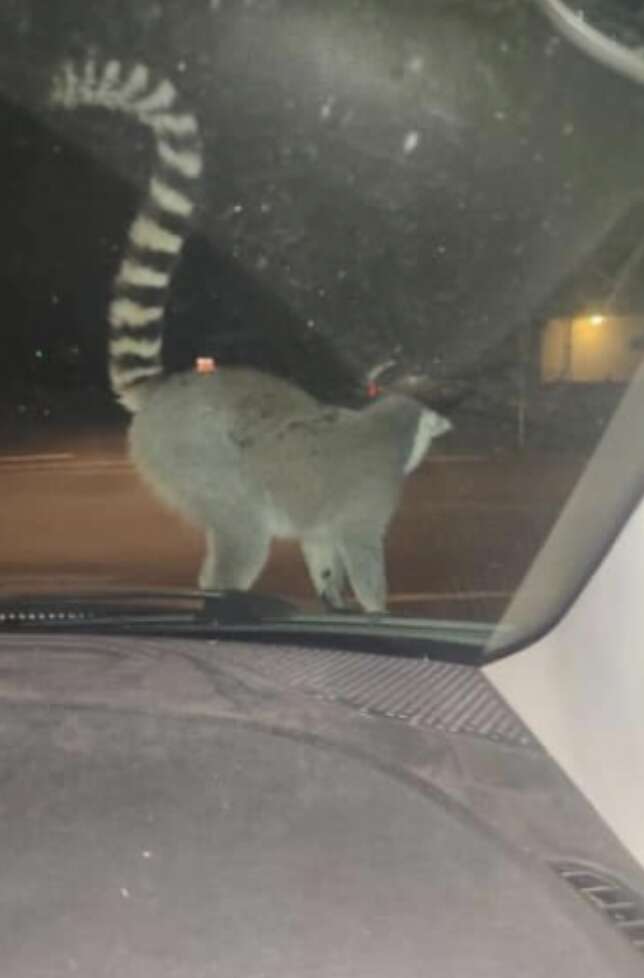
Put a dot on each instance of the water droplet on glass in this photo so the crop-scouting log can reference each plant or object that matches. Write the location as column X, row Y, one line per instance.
column 411, row 141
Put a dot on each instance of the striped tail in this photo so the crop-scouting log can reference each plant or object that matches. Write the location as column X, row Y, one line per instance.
column 156, row 236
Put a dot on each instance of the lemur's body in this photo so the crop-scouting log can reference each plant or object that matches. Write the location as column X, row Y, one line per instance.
column 242, row 454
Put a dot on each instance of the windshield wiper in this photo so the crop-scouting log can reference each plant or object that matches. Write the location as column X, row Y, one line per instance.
column 140, row 608
column 243, row 615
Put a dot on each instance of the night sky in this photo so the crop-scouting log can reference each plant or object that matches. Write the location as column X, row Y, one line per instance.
column 413, row 183
column 62, row 233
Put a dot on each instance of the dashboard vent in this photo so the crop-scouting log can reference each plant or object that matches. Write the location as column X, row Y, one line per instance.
column 421, row 692
column 621, row 906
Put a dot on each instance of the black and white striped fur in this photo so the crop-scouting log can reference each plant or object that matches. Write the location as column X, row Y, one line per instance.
column 156, row 236
column 245, row 456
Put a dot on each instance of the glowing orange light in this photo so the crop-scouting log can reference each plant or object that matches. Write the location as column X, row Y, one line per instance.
column 597, row 320
column 205, row 365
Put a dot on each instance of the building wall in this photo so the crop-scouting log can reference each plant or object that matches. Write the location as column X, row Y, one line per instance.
column 592, row 349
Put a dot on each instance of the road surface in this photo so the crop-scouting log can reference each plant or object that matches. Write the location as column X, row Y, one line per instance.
column 74, row 513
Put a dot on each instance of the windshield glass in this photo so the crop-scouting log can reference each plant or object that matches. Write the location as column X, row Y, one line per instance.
column 332, row 303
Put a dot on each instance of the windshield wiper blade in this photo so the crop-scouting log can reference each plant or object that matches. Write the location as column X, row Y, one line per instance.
column 243, row 615
column 142, row 608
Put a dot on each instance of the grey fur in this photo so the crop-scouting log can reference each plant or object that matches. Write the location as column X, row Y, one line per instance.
column 243, row 455
column 251, row 458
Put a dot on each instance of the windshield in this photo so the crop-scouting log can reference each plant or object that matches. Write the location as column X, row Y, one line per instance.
column 333, row 304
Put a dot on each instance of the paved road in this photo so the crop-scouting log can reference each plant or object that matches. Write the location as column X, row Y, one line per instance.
column 74, row 512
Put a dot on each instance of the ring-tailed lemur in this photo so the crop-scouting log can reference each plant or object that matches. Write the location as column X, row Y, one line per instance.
column 245, row 456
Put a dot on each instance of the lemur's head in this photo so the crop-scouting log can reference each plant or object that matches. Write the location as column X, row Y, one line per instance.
column 430, row 425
